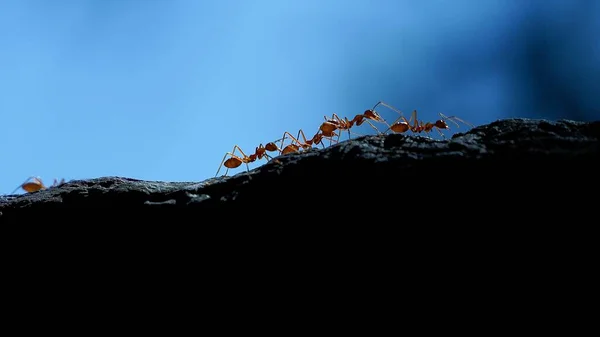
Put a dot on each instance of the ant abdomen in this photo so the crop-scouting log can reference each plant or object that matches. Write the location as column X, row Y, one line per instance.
column 400, row 127
column 232, row 163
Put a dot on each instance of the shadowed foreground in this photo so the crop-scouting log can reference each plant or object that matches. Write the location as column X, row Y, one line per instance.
column 505, row 171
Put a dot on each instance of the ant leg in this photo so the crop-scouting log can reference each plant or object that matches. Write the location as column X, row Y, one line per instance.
column 334, row 116
column 451, row 118
column 238, row 148
column 416, row 121
column 278, row 148
column 354, row 133
column 297, row 144
column 232, row 153
column 58, row 183
column 36, row 181
column 331, row 140
column 383, row 120
column 341, row 122
column 294, row 139
column 269, row 147
column 440, row 132
column 339, row 135
column 282, row 140
column 301, row 133
column 222, row 161
column 375, row 128
column 338, row 138
column 307, row 144
column 291, row 147
column 328, row 136
column 393, row 109
column 371, row 115
column 244, row 156
column 18, row 187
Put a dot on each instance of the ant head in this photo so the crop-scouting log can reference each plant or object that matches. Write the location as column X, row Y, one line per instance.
column 441, row 124
column 372, row 114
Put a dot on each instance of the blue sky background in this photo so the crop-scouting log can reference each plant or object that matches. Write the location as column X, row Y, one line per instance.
column 161, row 89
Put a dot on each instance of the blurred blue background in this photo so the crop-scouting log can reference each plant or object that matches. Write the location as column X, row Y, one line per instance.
column 161, row 89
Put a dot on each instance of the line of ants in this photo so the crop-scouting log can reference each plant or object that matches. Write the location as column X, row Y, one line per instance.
column 327, row 130
column 331, row 130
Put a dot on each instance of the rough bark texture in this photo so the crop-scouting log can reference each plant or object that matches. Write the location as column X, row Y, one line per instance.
column 505, row 171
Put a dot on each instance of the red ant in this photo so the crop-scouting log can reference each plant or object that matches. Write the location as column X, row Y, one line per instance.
column 336, row 123
column 236, row 161
column 402, row 125
column 307, row 144
column 34, row 184
column 317, row 138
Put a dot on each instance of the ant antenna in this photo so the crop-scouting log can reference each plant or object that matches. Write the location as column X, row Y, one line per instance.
column 451, row 118
column 391, row 108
